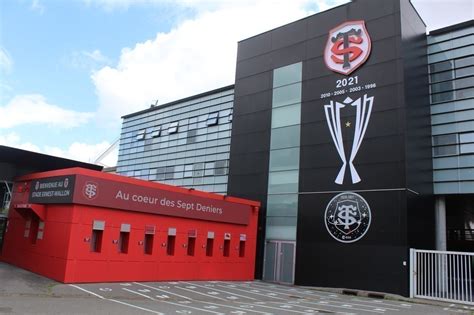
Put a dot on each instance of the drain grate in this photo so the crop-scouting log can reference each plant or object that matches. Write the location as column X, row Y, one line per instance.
column 349, row 292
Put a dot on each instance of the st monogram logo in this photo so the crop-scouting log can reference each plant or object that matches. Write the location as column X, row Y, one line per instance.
column 90, row 190
column 347, row 217
column 348, row 47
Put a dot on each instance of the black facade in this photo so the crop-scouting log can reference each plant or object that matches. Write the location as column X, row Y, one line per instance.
column 393, row 159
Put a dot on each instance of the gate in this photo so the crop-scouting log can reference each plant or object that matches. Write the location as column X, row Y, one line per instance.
column 279, row 261
column 3, row 228
column 442, row 275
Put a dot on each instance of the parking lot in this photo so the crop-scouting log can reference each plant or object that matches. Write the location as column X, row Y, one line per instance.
column 22, row 292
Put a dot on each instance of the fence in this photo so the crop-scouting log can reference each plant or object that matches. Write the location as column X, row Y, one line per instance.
column 441, row 275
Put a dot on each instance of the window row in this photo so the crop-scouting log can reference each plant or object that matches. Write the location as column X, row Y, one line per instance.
column 451, row 64
column 172, row 128
column 137, row 161
column 452, row 74
column 198, row 117
column 451, row 54
column 453, row 144
column 453, row 84
column 451, row 44
column 452, row 95
column 183, row 109
column 188, row 170
column 190, row 241
column 212, row 140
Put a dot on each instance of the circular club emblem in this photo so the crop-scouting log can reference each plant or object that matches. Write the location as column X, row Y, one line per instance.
column 347, row 217
column 90, row 190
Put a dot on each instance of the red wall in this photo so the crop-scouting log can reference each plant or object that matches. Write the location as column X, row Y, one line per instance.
column 64, row 253
column 111, row 265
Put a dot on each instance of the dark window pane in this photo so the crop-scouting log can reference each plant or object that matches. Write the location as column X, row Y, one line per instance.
column 441, row 66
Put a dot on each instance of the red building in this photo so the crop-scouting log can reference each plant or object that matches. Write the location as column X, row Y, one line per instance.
column 77, row 225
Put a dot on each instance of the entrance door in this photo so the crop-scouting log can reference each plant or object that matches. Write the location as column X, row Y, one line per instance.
column 279, row 262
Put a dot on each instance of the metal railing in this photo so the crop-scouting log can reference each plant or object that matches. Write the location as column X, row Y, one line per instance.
column 442, row 275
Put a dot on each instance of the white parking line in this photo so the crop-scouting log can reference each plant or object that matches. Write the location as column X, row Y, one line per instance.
column 208, row 295
column 291, row 291
column 176, row 304
column 197, row 285
column 151, row 287
column 246, row 291
column 116, row 301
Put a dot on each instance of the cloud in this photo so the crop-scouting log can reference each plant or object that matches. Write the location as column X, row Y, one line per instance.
column 37, row 6
column 197, row 55
column 78, row 151
column 6, row 62
column 88, row 60
column 33, row 109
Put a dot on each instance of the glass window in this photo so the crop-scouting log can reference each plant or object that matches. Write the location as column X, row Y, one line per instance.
column 442, row 76
column 283, row 182
column 441, row 87
column 173, row 127
column 445, row 139
column 141, row 135
column 445, row 150
column 156, row 132
column 464, row 62
column 282, row 205
column 287, row 75
column 466, row 137
column 467, row 148
column 464, row 83
column 442, row 97
column 220, row 164
column 464, row 72
column 465, row 93
column 285, row 95
column 198, row 169
column 286, row 116
column 285, row 137
column 169, row 172
column 191, row 136
column 284, row 159
column 441, row 66
column 212, row 119
column 281, row 228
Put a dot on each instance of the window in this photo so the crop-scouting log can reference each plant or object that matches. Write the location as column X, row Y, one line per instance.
column 124, row 238
column 445, row 150
column 169, row 172
column 287, row 75
column 34, row 227
column 210, row 244
column 242, row 248
column 173, row 127
column 467, row 142
column 284, row 159
column 170, row 245
column 209, row 171
column 149, row 237
column 212, row 119
column 445, row 139
column 286, row 116
column 188, row 170
column 191, row 242
column 156, row 132
column 231, row 115
column 96, row 239
column 198, row 170
column 283, row 182
column 141, row 135
column 226, row 248
column 191, row 136
column 286, row 95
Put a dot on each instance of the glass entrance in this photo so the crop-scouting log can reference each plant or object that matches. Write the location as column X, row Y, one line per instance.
column 279, row 262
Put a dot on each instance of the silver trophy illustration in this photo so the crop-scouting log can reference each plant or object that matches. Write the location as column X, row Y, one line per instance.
column 363, row 110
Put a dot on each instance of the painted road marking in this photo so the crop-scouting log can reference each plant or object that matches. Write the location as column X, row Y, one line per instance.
column 247, row 297
column 214, row 297
column 246, row 291
column 116, row 301
column 271, row 307
column 326, row 304
column 151, row 287
column 167, row 302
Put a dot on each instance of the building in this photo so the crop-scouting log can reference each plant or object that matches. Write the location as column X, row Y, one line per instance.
column 77, row 225
column 184, row 143
column 16, row 162
column 451, row 64
column 353, row 128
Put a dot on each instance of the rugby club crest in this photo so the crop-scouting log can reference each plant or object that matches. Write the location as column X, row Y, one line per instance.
column 347, row 217
column 348, row 47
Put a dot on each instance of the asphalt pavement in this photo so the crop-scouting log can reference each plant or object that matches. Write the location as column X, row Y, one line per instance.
column 22, row 292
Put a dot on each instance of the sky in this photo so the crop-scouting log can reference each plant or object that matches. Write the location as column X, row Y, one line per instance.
column 69, row 69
